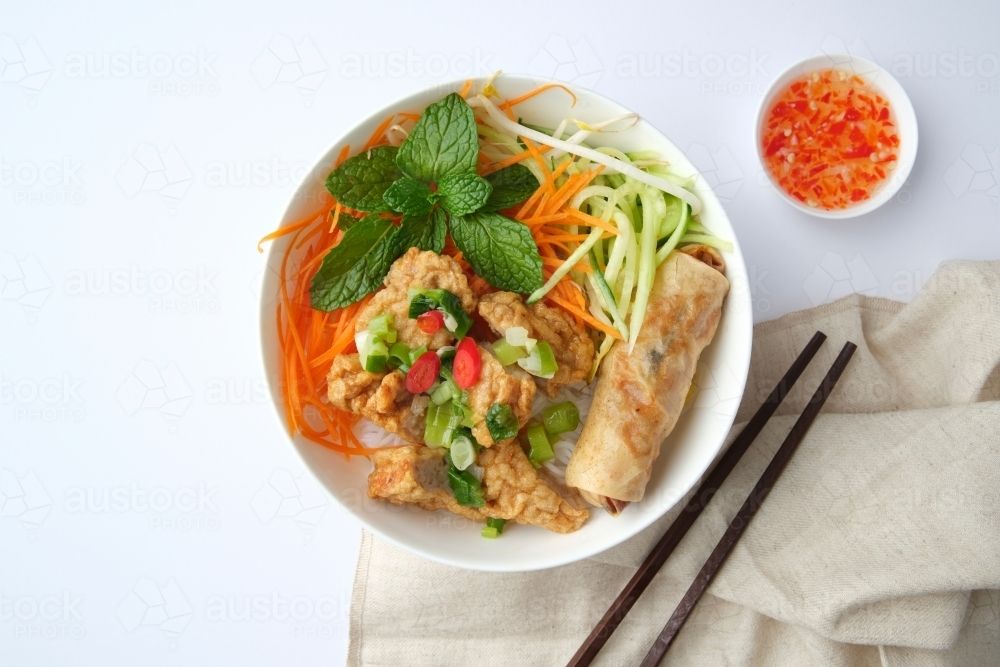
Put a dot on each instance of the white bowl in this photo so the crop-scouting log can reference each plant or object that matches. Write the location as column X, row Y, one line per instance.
column 685, row 455
column 890, row 89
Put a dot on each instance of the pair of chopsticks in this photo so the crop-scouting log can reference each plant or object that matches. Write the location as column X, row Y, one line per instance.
column 676, row 532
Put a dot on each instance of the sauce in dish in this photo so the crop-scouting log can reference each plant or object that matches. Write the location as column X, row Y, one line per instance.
column 830, row 140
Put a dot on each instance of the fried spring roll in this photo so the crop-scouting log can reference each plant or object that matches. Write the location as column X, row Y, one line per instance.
column 639, row 396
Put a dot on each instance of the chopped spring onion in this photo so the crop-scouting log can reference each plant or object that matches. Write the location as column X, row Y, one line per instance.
column 506, row 353
column 493, row 528
column 371, row 351
column 500, row 121
column 463, row 453
column 541, row 448
column 417, row 353
column 519, row 336
column 446, row 391
column 382, row 326
column 438, row 426
column 561, row 418
column 541, row 362
column 399, row 357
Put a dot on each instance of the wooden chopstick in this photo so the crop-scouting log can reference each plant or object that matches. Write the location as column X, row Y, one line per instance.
column 748, row 510
column 676, row 532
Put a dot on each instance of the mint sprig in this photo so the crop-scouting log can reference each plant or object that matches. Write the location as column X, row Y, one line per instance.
column 431, row 179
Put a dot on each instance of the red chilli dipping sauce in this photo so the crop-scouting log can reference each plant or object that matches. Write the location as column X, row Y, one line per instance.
column 829, row 140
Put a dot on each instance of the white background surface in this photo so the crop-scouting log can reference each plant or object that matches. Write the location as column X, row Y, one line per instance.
column 142, row 472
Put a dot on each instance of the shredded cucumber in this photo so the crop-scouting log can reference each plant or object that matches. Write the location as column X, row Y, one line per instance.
column 705, row 239
column 638, row 192
column 647, row 262
column 674, row 239
column 608, row 298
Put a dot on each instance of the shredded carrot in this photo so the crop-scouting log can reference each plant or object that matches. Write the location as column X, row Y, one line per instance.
column 336, row 218
column 549, row 183
column 541, row 89
column 378, row 135
column 506, row 162
column 554, row 261
column 344, row 152
column 294, row 227
column 584, row 315
column 571, row 187
column 465, row 88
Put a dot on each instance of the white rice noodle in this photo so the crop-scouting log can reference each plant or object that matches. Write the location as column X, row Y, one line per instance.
column 372, row 435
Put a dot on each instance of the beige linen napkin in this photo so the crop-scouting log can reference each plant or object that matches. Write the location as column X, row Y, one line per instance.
column 880, row 544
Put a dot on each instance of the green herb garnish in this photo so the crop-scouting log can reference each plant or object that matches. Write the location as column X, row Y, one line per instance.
column 431, row 179
column 443, row 142
column 511, row 186
column 463, row 193
column 427, row 232
column 361, row 181
column 355, row 266
column 467, row 489
column 500, row 250
column 501, row 422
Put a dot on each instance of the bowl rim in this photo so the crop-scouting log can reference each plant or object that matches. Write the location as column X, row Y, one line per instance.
column 587, row 550
column 888, row 86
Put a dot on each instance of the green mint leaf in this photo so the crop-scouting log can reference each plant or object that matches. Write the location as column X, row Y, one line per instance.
column 511, row 186
column 443, row 142
column 345, row 221
column 356, row 266
column 426, row 231
column 361, row 181
column 461, row 194
column 500, row 250
column 408, row 196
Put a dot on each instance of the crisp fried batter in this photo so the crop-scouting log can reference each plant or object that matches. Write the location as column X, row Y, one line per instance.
column 573, row 348
column 497, row 384
column 513, row 489
column 381, row 397
column 424, row 269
